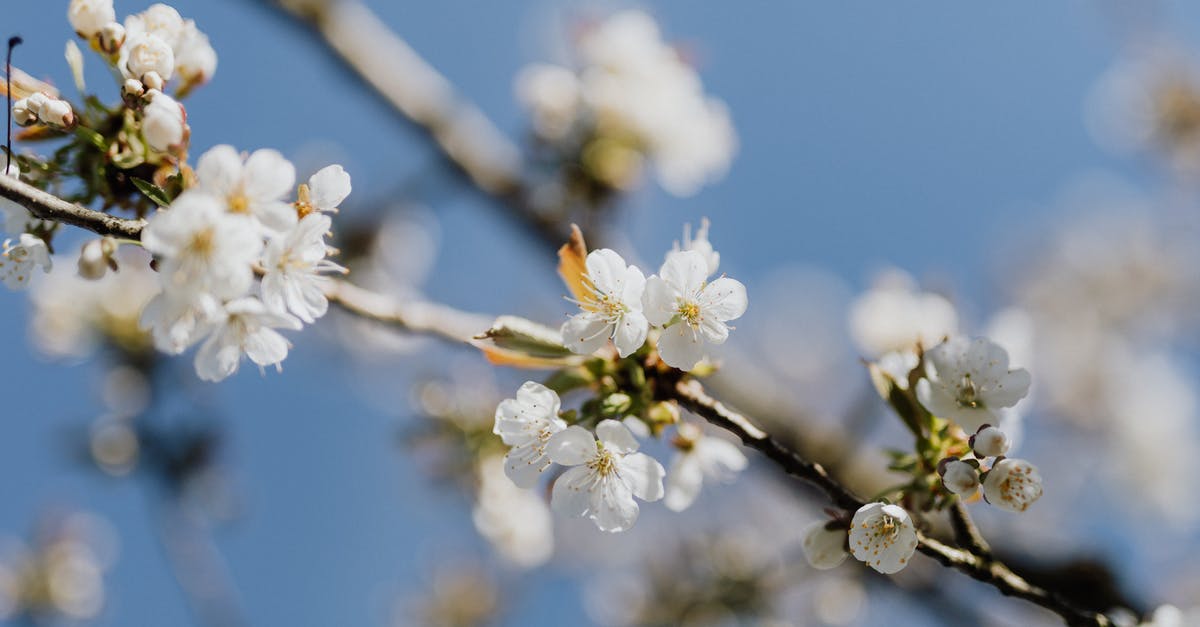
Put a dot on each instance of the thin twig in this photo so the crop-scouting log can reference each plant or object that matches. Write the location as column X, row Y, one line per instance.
column 691, row 395
column 412, row 316
column 966, row 534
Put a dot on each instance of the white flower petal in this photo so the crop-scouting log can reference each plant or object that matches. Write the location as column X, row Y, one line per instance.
column 572, row 446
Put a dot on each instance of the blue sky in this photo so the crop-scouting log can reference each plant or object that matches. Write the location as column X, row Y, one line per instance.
column 924, row 135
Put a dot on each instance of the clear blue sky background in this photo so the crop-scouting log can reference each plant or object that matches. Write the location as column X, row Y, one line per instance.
column 918, row 134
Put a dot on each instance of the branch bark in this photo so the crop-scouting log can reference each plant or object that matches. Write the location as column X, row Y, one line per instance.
column 47, row 206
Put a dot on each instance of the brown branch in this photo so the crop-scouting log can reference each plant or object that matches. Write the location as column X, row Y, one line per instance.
column 47, row 206
column 966, row 534
column 691, row 395
column 422, row 96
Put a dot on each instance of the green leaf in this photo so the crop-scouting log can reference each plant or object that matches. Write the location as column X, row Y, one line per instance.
column 91, row 137
column 152, row 191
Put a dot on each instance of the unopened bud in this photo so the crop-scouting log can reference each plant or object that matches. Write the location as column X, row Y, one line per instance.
column 57, row 112
column 989, row 442
column 112, row 37
column 152, row 81
column 23, row 113
column 96, row 258
column 959, row 477
column 616, row 404
column 662, row 414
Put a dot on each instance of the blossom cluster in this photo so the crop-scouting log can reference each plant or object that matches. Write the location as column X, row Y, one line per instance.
column 605, row 471
column 688, row 310
column 209, row 243
column 631, row 97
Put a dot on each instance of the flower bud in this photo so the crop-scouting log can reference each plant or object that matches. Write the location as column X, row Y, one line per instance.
column 195, row 59
column 96, row 257
column 87, row 17
column 662, row 414
column 616, row 404
column 824, row 548
column 162, row 122
column 132, row 90
column 989, row 442
column 151, row 80
column 112, row 37
column 1013, row 485
column 959, row 477
column 23, row 113
column 56, row 112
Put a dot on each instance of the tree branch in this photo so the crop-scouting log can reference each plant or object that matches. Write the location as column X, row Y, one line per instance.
column 420, row 95
column 691, row 395
column 47, row 206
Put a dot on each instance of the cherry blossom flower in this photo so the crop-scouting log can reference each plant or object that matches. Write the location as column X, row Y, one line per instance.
column 552, row 95
column 16, row 217
column 960, row 478
column 894, row 316
column 611, row 310
column 324, row 192
column 1012, row 485
column 178, row 318
column 690, row 309
column 254, row 187
column 87, row 17
column 202, row 246
column 516, row 522
column 195, row 59
column 294, row 264
column 159, row 20
column 527, row 423
column 247, row 327
column 883, row 537
column 967, row 381
column 143, row 53
column 825, row 548
column 606, row 475
column 989, row 442
column 17, row 262
column 699, row 456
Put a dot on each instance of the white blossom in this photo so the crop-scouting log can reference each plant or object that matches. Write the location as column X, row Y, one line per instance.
column 883, row 537
column 24, row 110
column 178, row 318
column 195, row 59
column 990, row 442
column 612, row 308
column 895, row 316
column 1012, row 485
column 960, row 478
column 552, row 95
column 144, row 53
column 701, row 245
column 254, row 187
column 699, row 456
column 112, row 37
column 824, row 548
column 163, row 122
column 49, row 110
column 17, row 262
column 968, row 380
column 527, row 423
column 246, row 327
column 203, row 247
column 1167, row 616
column 325, row 191
column 159, row 20
column 690, row 309
column 295, row 263
column 95, row 257
column 516, row 521
column 606, row 475
column 87, row 17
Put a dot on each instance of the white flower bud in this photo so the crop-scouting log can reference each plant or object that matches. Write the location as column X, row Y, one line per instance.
column 824, row 548
column 960, row 478
column 152, row 80
column 159, row 20
column 162, row 122
column 133, row 89
column 1013, row 485
column 96, row 257
column 87, row 17
column 990, row 442
column 23, row 113
column 112, row 37
column 56, row 112
column 148, row 53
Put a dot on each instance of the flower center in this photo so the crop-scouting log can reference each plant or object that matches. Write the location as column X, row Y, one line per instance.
column 968, row 394
column 202, row 243
column 238, row 203
column 690, row 312
column 603, row 463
